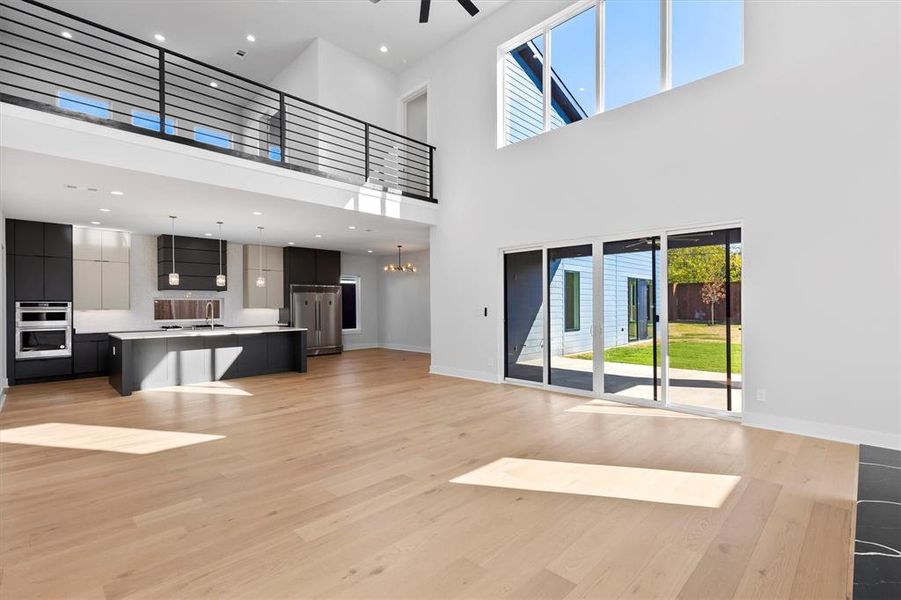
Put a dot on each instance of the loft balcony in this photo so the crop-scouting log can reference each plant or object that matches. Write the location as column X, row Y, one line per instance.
column 59, row 63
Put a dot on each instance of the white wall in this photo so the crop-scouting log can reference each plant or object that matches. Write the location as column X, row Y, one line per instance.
column 367, row 268
column 143, row 263
column 3, row 379
column 800, row 144
column 404, row 308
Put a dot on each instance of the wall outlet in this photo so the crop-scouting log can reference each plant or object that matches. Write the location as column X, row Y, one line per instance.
column 761, row 395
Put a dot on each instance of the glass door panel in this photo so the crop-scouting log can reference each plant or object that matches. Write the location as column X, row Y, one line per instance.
column 631, row 336
column 570, row 317
column 704, row 303
column 523, row 316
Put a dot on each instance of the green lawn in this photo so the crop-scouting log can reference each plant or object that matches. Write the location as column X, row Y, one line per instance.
column 692, row 346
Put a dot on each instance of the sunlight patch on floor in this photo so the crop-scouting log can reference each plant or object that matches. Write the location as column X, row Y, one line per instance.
column 606, row 407
column 707, row 490
column 218, row 388
column 107, row 439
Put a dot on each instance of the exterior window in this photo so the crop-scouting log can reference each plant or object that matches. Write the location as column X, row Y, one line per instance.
column 571, row 301
column 523, row 85
column 707, row 38
column 83, row 104
column 631, row 51
column 151, row 121
column 350, row 304
column 566, row 69
column 212, row 137
column 574, row 70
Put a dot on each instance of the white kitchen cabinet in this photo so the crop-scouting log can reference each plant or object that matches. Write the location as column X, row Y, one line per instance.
column 100, row 269
column 270, row 296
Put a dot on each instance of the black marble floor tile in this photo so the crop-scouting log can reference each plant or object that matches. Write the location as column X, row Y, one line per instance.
column 877, row 545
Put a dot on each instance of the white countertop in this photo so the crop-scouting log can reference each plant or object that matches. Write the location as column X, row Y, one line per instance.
column 187, row 332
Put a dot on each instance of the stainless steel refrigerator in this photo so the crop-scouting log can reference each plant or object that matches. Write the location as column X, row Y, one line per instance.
column 318, row 308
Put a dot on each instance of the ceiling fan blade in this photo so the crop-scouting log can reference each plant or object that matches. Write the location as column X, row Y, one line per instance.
column 471, row 8
column 424, row 6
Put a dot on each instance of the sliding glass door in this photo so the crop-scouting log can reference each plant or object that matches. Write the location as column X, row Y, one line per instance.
column 570, row 294
column 704, row 330
column 524, row 316
column 631, row 338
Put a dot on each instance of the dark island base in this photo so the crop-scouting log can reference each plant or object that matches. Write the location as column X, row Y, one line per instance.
column 142, row 364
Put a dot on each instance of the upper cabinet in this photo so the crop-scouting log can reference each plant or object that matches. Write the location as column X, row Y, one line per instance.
column 39, row 260
column 268, row 261
column 196, row 262
column 101, row 277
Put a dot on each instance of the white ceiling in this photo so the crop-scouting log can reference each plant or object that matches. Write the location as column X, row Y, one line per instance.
column 213, row 31
column 34, row 188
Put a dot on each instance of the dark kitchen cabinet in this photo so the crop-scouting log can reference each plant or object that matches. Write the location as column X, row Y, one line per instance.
column 42, row 369
column 196, row 261
column 57, row 240
column 28, row 238
column 58, row 279
column 28, row 283
column 90, row 354
column 189, row 361
column 223, row 356
column 310, row 266
column 254, row 356
column 279, row 349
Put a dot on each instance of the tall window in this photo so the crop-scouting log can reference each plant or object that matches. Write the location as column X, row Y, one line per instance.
column 212, row 137
column 83, row 104
column 350, row 304
column 571, row 301
column 598, row 55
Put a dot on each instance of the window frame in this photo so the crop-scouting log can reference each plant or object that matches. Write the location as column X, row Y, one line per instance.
column 357, row 281
column 575, row 300
column 544, row 29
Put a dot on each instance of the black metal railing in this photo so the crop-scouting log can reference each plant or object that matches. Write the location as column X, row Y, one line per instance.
column 54, row 61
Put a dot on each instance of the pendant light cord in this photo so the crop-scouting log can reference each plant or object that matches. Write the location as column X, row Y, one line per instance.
column 261, row 250
column 220, row 246
column 173, row 243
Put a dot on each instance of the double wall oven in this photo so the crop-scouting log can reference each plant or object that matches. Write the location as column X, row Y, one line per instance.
column 43, row 330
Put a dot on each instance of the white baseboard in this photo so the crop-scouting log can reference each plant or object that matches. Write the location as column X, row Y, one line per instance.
column 405, row 348
column 827, row 431
column 464, row 374
column 351, row 347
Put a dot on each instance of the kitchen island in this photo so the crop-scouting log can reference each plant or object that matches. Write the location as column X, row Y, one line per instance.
column 145, row 360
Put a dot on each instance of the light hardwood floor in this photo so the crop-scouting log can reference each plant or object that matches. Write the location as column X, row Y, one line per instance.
column 336, row 484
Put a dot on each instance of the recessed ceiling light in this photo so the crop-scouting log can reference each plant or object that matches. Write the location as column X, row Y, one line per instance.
column 383, row 49
column 290, row 243
column 208, row 234
column 351, row 226
column 250, row 38
column 95, row 222
column 257, row 213
column 369, row 251
column 319, row 235
column 66, row 35
column 214, row 84
column 104, row 210
column 159, row 37
column 117, row 193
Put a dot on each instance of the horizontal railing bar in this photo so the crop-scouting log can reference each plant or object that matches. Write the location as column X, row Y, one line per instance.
column 399, row 157
column 401, row 175
column 69, row 87
column 299, row 148
column 213, row 107
column 63, row 110
column 386, row 141
column 331, row 143
column 179, row 107
column 321, row 127
column 409, row 139
column 69, row 27
column 349, row 132
column 47, row 69
column 376, row 175
column 218, row 80
column 115, row 66
column 214, row 128
column 316, row 166
column 327, row 116
column 213, row 98
column 399, row 151
column 397, row 177
column 402, row 169
column 321, row 149
column 361, row 150
column 330, row 136
column 141, row 85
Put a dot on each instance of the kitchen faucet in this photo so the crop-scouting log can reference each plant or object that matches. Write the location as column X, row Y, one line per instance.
column 209, row 313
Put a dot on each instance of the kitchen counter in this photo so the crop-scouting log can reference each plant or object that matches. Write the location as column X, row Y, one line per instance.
column 143, row 360
column 187, row 332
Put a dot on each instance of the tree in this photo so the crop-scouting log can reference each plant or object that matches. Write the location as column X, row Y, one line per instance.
column 711, row 293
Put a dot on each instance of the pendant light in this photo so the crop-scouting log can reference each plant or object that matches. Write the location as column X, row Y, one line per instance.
column 400, row 267
column 173, row 275
column 220, row 278
column 261, row 281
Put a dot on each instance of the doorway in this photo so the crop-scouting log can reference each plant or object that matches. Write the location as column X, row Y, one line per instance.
column 416, row 116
